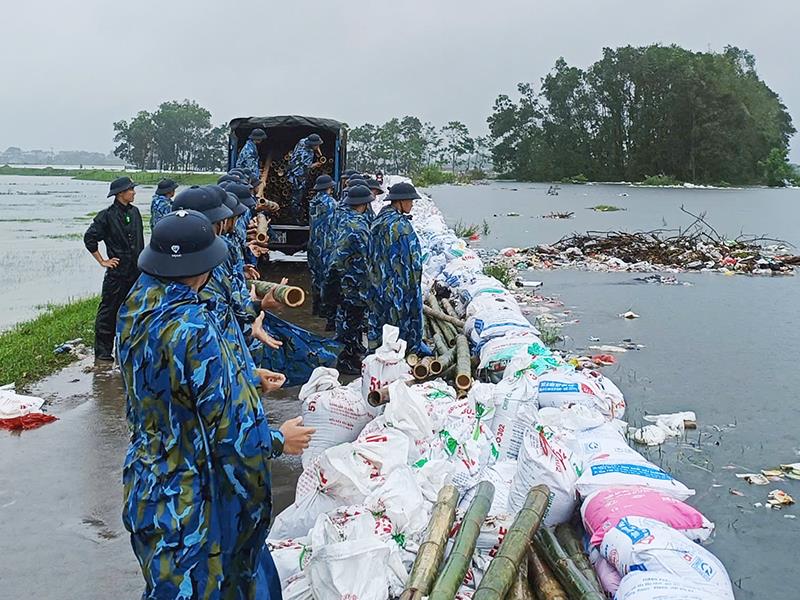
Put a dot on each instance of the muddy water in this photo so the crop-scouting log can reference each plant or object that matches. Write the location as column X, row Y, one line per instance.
column 722, row 347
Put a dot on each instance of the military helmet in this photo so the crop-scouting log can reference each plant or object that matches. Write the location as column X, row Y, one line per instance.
column 205, row 200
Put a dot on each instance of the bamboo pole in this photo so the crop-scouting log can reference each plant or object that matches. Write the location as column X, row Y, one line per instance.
column 445, row 318
column 544, row 583
column 262, row 228
column 435, row 367
column 566, row 571
column 289, row 295
column 568, row 538
column 267, row 205
column 380, row 396
column 448, row 307
column 463, row 365
column 262, row 182
column 458, row 561
column 505, row 566
column 422, row 369
column 431, row 552
column 521, row 589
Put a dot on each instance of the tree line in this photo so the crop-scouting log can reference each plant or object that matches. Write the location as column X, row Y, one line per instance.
column 177, row 136
column 702, row 117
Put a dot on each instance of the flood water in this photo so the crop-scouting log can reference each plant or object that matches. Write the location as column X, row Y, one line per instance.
column 722, row 347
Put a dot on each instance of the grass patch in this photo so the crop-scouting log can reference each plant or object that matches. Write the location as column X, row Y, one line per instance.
column 605, row 208
column 65, row 236
column 500, row 272
column 141, row 177
column 660, row 180
column 26, row 351
column 485, row 229
column 549, row 332
column 578, row 179
column 465, row 231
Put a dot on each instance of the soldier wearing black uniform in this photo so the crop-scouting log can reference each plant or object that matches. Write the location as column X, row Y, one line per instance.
column 120, row 227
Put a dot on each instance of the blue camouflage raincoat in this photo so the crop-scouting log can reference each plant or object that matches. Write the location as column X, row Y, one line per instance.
column 301, row 159
column 396, row 278
column 159, row 206
column 197, row 489
column 321, row 211
column 248, row 158
column 349, row 257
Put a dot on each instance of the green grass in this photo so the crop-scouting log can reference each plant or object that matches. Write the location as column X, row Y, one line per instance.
column 660, row 180
column 464, row 231
column 500, row 272
column 549, row 332
column 141, row 177
column 578, row 179
column 26, row 351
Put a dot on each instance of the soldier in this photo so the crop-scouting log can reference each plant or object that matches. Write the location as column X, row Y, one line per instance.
column 197, row 489
column 377, row 190
column 162, row 201
column 396, row 271
column 120, row 227
column 248, row 157
column 348, row 278
column 301, row 162
column 320, row 212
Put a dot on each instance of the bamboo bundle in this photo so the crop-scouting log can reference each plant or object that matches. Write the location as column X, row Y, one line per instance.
column 289, row 295
column 262, row 228
column 505, row 566
column 446, row 330
column 544, row 583
column 443, row 317
column 463, row 365
column 431, row 552
column 568, row 574
column 448, row 307
column 458, row 562
column 570, row 542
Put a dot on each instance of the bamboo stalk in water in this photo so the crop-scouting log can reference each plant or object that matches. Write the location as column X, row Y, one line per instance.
column 289, row 295
column 568, row 574
column 431, row 552
column 512, row 554
column 458, row 562
column 544, row 583
column 463, row 365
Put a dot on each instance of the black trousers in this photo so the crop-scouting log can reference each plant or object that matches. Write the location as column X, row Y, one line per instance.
column 115, row 290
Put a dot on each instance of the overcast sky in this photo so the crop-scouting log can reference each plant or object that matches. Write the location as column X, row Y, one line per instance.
column 71, row 68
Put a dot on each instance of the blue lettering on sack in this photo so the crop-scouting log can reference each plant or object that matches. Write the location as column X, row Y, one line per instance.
column 639, row 567
column 478, row 325
column 626, row 469
column 705, row 569
column 636, row 534
column 557, row 387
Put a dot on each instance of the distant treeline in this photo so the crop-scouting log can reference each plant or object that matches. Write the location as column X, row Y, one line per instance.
column 702, row 117
column 17, row 156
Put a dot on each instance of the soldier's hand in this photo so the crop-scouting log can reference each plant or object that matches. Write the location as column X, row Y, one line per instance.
column 296, row 437
column 250, row 272
column 262, row 336
column 110, row 263
column 270, row 380
column 257, row 250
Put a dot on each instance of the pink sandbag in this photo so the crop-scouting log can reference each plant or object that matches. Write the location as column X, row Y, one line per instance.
column 602, row 511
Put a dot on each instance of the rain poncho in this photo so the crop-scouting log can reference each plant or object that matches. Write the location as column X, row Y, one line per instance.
column 321, row 210
column 159, row 206
column 248, row 158
column 197, row 490
column 299, row 164
column 396, row 278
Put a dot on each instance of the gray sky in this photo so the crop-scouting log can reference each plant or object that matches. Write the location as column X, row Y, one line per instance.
column 71, row 68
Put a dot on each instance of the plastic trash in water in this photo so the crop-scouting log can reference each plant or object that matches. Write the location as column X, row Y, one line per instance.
column 629, row 315
column 779, row 499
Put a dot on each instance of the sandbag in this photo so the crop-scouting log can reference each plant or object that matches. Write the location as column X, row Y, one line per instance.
column 493, row 301
column 487, row 325
column 496, row 353
column 546, row 457
column 565, row 385
column 642, row 585
column 387, row 364
column 610, row 462
column 602, row 511
column 337, row 412
column 640, row 544
column 514, row 406
column 501, row 476
column 480, row 284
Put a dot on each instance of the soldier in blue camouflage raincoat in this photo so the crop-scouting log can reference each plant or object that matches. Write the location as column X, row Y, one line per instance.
column 347, row 282
column 301, row 163
column 321, row 210
column 248, row 156
column 396, row 271
column 161, row 203
column 197, row 497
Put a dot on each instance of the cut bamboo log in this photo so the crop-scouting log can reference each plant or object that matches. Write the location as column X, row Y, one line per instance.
column 571, row 543
column 566, row 571
column 412, row 359
column 262, row 182
column 512, row 554
column 262, row 228
column 439, row 343
column 289, row 295
column 445, row 318
column 431, row 551
column 380, row 396
column 422, row 369
column 448, row 308
column 267, row 205
column 458, row 561
column 435, row 367
column 463, row 365
column 543, row 582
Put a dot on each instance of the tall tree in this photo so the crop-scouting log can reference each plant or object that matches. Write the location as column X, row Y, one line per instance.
column 135, row 140
column 456, row 141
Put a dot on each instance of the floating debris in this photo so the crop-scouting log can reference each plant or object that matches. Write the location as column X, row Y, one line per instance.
column 779, row 499
column 559, row 215
column 629, row 315
column 753, row 478
column 735, row 492
column 512, row 214
column 606, row 208
column 662, row 280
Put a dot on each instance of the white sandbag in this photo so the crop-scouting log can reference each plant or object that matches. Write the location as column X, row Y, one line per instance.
column 643, row 585
column 290, row 556
column 497, row 352
column 481, row 396
column 501, row 476
column 609, row 461
column 546, row 457
column 487, row 325
column 640, row 544
column 480, row 284
column 565, row 385
column 400, row 499
column 338, row 413
column 407, row 411
column 491, row 302
column 514, row 406
column 387, row 364
column 297, row 519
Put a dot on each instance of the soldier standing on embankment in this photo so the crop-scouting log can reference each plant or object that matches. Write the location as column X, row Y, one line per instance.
column 120, row 227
